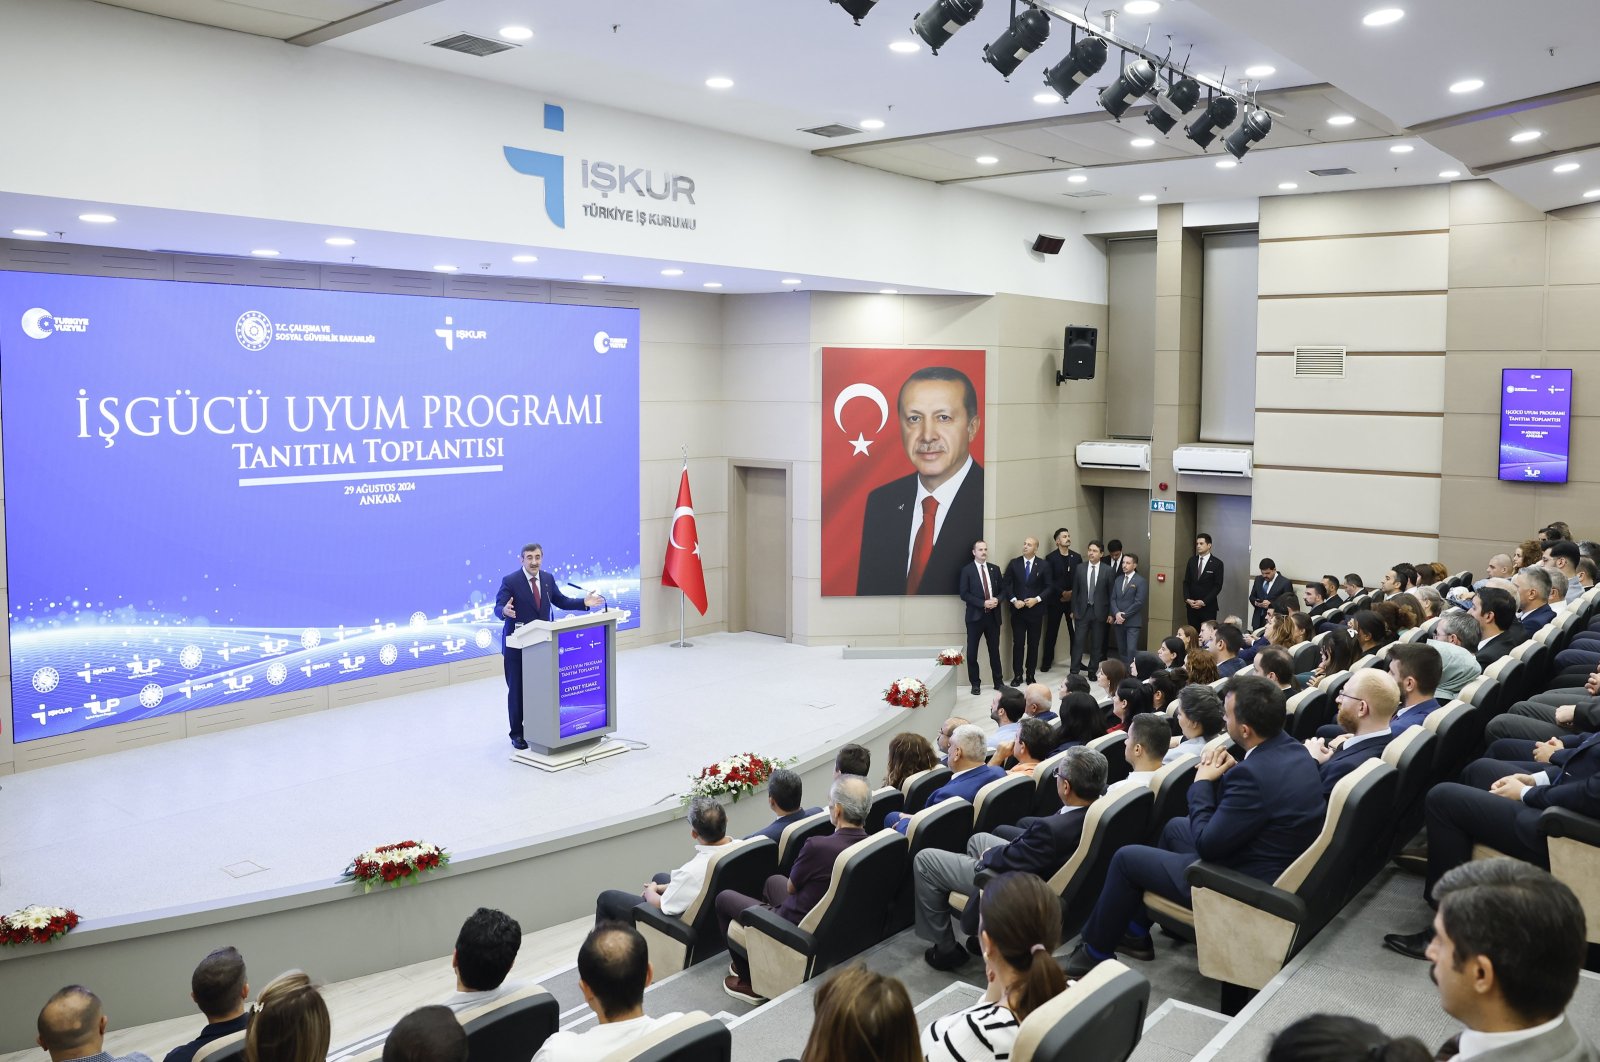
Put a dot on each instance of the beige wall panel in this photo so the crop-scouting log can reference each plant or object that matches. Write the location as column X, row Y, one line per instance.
column 665, row 427
column 1079, row 393
column 842, row 617
column 659, row 606
column 950, row 320
column 805, row 488
column 1396, row 503
column 679, row 372
column 1381, row 323
column 1404, row 384
column 1487, row 508
column 1027, row 321
column 1508, row 254
column 1308, row 552
column 780, row 431
column 1471, row 442
column 1346, row 213
column 1025, row 375
column 1472, row 378
column 679, row 316
column 1486, row 203
column 1497, row 319
column 757, row 320
column 658, row 485
column 1181, row 387
column 1573, row 319
column 858, row 320
column 1022, row 432
column 1585, row 381
column 940, row 621
column 764, row 373
column 1030, row 486
column 1398, row 444
column 1373, row 263
column 1177, row 330
column 1574, row 250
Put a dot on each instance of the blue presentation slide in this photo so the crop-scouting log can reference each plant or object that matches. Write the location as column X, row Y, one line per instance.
column 581, row 674
column 216, row 492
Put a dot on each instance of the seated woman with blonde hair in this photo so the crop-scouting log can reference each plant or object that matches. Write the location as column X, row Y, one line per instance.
column 862, row 1016
column 291, row 1022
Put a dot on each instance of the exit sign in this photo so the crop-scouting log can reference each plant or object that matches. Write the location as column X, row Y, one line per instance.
column 1158, row 505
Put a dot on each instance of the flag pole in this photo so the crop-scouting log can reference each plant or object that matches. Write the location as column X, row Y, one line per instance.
column 682, row 642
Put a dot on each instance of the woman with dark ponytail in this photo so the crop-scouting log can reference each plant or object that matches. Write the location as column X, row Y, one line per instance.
column 1019, row 925
column 1337, row 1038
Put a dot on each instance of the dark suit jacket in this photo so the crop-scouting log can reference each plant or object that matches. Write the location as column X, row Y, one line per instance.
column 1348, row 758
column 813, row 870
column 1259, row 590
column 1022, row 586
column 1043, row 847
column 1328, row 605
column 1538, row 618
column 972, row 591
column 1574, row 785
column 1130, row 601
column 886, row 537
column 775, row 828
column 515, row 588
column 1228, row 667
column 1203, row 587
column 1261, row 815
column 1501, row 644
column 1082, row 606
column 1406, row 718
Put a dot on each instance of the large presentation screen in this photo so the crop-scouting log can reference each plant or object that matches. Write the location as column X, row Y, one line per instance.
column 216, row 492
column 1535, row 424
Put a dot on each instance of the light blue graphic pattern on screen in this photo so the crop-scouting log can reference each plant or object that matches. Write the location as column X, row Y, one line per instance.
column 217, row 492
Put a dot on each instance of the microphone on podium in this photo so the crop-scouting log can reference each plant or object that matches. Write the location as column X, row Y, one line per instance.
column 586, row 592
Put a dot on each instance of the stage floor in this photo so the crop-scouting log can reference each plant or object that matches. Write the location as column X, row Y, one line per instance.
column 288, row 803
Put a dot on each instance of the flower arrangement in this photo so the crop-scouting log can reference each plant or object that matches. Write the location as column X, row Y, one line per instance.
column 737, row 775
column 951, row 657
column 36, row 925
column 394, row 864
column 906, row 693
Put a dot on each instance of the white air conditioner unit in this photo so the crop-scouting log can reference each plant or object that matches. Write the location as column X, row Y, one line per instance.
column 1212, row 461
column 1106, row 453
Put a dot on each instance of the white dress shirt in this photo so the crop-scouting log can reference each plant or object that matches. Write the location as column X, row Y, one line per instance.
column 944, row 496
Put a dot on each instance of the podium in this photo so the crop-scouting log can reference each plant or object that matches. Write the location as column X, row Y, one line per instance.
column 569, row 689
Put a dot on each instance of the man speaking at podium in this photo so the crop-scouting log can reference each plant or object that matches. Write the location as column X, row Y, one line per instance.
column 526, row 595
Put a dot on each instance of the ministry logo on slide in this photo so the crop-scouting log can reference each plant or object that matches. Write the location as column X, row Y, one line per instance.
column 253, row 330
column 39, row 323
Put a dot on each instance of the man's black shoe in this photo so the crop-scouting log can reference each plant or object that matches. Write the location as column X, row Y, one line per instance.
column 1016, row 680
column 945, row 959
column 1141, row 948
column 518, row 744
column 1411, row 945
column 973, row 947
column 1080, row 962
column 977, row 690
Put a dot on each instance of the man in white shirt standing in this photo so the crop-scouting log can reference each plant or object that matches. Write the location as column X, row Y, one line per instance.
column 708, row 828
column 613, row 972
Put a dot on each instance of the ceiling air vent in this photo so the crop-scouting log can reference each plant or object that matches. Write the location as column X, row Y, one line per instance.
column 1089, row 193
column 833, row 130
column 470, row 44
column 1325, row 363
column 1336, row 171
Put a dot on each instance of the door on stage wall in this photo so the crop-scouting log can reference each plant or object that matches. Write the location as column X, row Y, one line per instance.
column 762, row 560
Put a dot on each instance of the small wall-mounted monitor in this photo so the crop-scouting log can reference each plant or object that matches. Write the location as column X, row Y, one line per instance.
column 1535, row 424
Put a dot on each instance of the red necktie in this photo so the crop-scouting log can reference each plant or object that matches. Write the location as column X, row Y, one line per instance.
column 983, row 572
column 534, row 582
column 922, row 549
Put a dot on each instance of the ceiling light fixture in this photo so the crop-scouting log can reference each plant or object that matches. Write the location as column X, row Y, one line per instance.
column 1253, row 128
column 1141, row 142
column 1147, row 198
column 264, row 252
column 1027, row 32
column 1077, row 178
column 1449, row 174
column 516, row 33
column 888, row 291
column 1082, row 61
column 986, row 160
column 1287, row 186
column 1141, row 7
column 1260, row 71
column 1526, row 136
column 872, row 123
column 31, row 234
column 593, row 276
column 1136, row 79
column 97, row 219
column 1401, row 149
column 712, row 284
column 856, row 9
column 1178, row 100
column 719, row 82
column 1226, row 164
column 791, row 280
column 339, row 241
column 905, row 47
column 1218, row 115
column 444, row 269
column 1565, row 167
column 524, row 258
column 940, row 20
column 1046, row 97
column 1341, row 119
column 1593, row 193
column 672, row 272
column 1384, row 16
column 1471, row 84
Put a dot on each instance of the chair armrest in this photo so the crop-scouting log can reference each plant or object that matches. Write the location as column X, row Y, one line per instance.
column 670, row 925
column 1247, row 890
column 765, row 921
column 1563, row 822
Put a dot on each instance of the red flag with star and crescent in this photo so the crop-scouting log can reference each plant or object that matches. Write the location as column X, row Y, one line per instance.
column 861, row 441
column 682, row 568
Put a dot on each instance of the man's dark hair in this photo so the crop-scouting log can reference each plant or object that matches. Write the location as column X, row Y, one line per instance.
column 1405, row 574
column 1565, row 549
column 1589, row 567
column 612, row 962
column 427, row 1034
column 783, row 786
column 1205, row 537
column 1274, row 662
column 1152, row 731
column 1589, row 549
column 1525, row 922
column 1257, row 704
column 1085, row 771
column 1203, row 707
column 1354, row 579
column 1284, row 604
column 218, row 983
column 1331, row 582
column 1013, row 705
column 1320, row 587
column 969, row 394
column 853, row 759
column 1497, row 603
column 529, row 548
column 485, row 948
column 708, row 819
column 1058, row 533
column 1419, row 661
column 1038, row 737
column 1551, row 533
column 1114, row 546
column 1268, row 562
column 1097, row 544
column 1133, row 555
column 1231, row 637
column 1339, row 1038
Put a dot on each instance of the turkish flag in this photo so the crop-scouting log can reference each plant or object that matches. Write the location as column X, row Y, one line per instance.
column 682, row 567
column 862, row 450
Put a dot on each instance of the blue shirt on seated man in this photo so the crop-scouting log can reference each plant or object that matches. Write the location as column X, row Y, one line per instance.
column 970, row 772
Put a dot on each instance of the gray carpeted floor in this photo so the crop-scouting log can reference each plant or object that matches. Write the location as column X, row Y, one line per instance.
column 1175, row 1033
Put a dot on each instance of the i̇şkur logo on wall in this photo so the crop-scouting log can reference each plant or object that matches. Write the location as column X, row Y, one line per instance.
column 606, row 178
column 39, row 323
column 449, row 333
column 255, row 330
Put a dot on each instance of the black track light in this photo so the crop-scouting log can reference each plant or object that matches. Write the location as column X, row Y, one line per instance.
column 942, row 18
column 856, row 9
column 1218, row 115
column 1178, row 100
column 1255, row 126
column 1021, row 39
column 1081, row 63
column 1136, row 79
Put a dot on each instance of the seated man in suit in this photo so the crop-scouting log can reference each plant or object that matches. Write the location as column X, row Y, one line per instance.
column 783, row 797
column 1416, row 668
column 1317, row 600
column 969, row 772
column 219, row 987
column 613, row 972
column 1225, row 647
column 793, row 897
column 1551, row 714
column 1149, row 735
column 1366, row 705
column 1007, row 709
column 708, row 829
column 1039, row 698
column 1041, row 849
column 1563, row 555
column 1034, row 744
column 427, row 1034
column 1533, row 599
column 1456, row 639
column 1496, row 614
column 1256, row 815
column 1508, row 945
column 1275, row 663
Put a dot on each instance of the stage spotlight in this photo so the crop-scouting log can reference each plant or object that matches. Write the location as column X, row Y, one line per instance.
column 856, row 9
column 1178, row 100
column 940, row 21
column 1082, row 62
column 1218, row 115
column 1255, row 126
column 1138, row 78
column 1021, row 39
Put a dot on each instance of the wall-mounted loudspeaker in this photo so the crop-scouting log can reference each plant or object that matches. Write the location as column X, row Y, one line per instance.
column 1077, row 354
column 1048, row 244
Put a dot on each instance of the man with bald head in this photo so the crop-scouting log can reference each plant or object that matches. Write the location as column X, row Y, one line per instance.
column 1037, row 700
column 1366, row 705
column 72, row 1025
column 1026, row 585
column 613, row 972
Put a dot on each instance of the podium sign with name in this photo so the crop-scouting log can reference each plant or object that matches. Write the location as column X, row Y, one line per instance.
column 569, row 680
